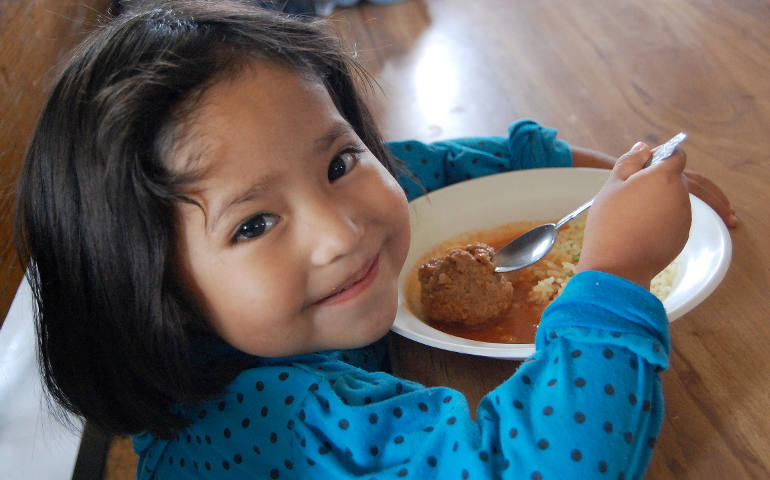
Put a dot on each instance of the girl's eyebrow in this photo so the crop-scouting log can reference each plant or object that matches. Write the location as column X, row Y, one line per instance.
column 253, row 191
column 323, row 143
column 338, row 129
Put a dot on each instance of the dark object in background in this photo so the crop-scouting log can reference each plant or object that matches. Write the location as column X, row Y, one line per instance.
column 294, row 7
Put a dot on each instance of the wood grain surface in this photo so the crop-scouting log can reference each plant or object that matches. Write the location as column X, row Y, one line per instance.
column 35, row 35
column 606, row 74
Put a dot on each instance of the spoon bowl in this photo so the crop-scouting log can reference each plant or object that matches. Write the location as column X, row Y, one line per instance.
column 526, row 249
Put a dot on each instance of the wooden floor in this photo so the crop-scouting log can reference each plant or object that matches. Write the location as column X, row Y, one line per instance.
column 605, row 74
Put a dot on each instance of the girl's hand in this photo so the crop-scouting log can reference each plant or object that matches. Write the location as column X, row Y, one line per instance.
column 697, row 184
column 707, row 191
column 640, row 219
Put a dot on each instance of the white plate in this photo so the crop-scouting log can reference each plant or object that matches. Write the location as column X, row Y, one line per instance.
column 542, row 194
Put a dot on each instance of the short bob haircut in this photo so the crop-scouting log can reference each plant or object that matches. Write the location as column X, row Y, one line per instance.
column 121, row 340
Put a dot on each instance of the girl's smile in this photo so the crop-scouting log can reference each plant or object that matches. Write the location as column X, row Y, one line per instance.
column 356, row 285
column 296, row 233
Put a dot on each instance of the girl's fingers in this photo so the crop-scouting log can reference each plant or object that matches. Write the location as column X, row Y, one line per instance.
column 708, row 184
column 676, row 162
column 707, row 191
column 632, row 161
column 700, row 186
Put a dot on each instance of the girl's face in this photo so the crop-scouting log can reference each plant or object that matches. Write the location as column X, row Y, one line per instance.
column 301, row 232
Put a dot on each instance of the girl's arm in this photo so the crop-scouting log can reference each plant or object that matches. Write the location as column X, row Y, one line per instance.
column 436, row 165
column 584, row 157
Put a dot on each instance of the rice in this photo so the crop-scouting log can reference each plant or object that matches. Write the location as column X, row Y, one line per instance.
column 663, row 282
column 555, row 270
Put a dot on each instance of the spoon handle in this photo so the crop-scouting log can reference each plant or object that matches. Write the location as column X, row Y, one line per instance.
column 666, row 150
column 574, row 213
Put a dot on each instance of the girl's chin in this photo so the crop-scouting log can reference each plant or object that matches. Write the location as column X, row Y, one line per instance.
column 377, row 329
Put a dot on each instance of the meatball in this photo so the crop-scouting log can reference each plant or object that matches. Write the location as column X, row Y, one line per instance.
column 463, row 288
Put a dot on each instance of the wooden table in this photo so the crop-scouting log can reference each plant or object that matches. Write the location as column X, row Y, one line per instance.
column 607, row 74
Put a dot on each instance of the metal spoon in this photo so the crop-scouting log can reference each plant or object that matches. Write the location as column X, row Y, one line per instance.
column 533, row 245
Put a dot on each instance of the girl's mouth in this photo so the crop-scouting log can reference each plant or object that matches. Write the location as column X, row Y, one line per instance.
column 357, row 284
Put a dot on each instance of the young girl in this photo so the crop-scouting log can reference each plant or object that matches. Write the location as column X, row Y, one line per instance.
column 214, row 231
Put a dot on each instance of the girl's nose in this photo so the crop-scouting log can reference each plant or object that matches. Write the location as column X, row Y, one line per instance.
column 332, row 231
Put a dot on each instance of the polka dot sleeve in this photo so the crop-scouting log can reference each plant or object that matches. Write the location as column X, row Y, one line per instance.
column 588, row 404
column 590, row 399
column 436, row 165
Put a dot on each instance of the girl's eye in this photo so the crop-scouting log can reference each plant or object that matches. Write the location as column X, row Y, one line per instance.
column 342, row 164
column 254, row 227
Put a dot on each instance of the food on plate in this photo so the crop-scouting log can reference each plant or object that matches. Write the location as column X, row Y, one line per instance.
column 462, row 287
column 533, row 288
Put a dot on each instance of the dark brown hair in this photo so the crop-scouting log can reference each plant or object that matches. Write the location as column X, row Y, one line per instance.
column 120, row 339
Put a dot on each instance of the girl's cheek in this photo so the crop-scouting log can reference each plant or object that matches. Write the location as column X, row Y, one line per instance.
column 404, row 233
column 393, row 204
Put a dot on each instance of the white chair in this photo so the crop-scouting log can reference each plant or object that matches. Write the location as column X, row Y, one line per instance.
column 33, row 444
